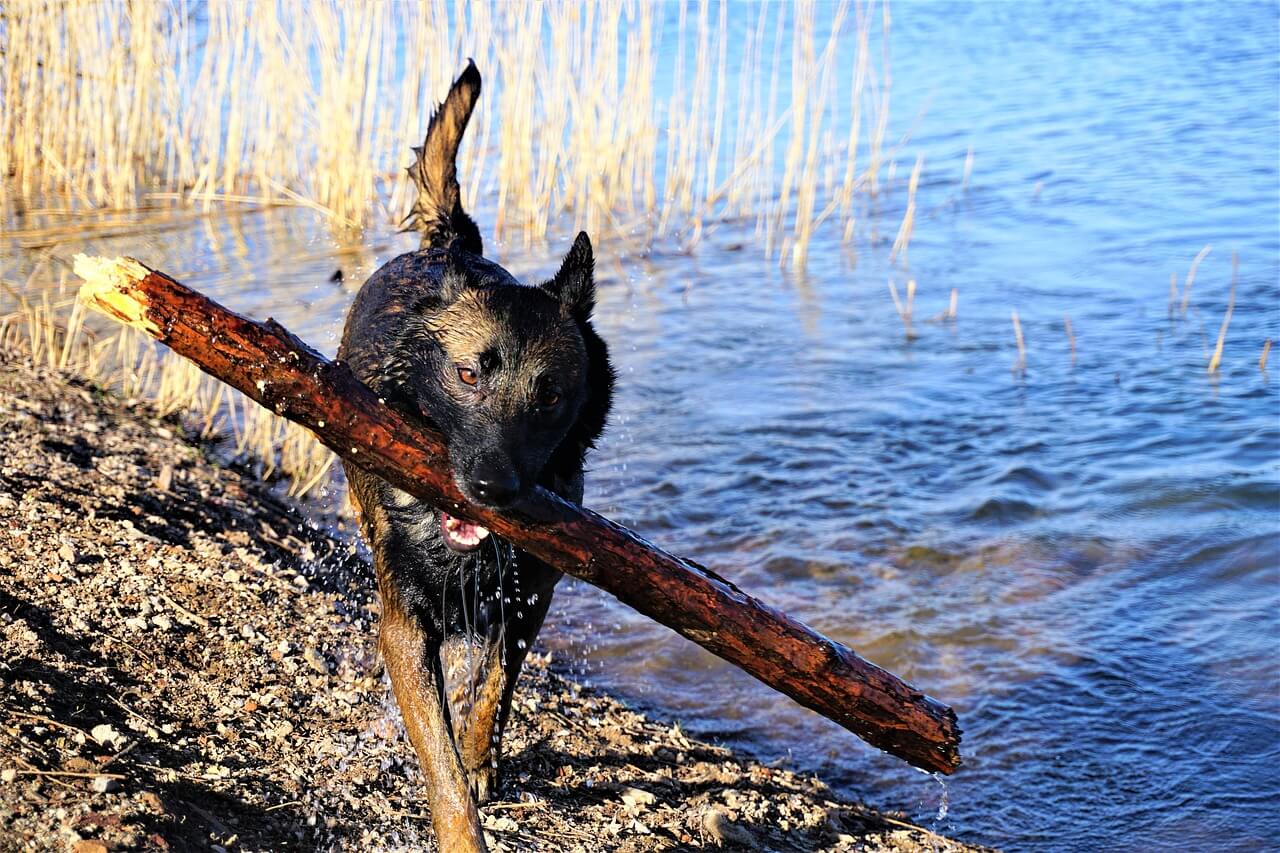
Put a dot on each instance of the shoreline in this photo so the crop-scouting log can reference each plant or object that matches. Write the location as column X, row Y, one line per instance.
column 187, row 664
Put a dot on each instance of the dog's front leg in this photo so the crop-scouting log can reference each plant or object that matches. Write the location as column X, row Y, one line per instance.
column 413, row 662
column 477, row 679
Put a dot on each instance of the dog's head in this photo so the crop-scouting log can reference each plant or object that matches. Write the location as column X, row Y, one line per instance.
column 515, row 377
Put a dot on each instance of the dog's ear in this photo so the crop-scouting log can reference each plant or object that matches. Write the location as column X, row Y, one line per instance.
column 453, row 280
column 574, row 287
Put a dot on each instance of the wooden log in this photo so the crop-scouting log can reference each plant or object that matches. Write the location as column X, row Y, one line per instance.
column 266, row 362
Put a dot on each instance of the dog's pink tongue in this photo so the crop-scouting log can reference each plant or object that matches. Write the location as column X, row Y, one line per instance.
column 462, row 532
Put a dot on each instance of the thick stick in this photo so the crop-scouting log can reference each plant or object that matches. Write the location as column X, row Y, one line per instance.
column 269, row 364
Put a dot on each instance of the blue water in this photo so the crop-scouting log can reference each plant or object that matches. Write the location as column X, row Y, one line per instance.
column 1082, row 556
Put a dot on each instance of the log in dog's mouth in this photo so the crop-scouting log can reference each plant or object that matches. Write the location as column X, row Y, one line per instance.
column 461, row 535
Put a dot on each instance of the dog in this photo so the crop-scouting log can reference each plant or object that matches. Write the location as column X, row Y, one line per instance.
column 520, row 384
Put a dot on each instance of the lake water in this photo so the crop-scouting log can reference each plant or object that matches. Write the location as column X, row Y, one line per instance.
column 1083, row 557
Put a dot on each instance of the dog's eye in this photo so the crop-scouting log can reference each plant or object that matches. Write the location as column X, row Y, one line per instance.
column 548, row 398
column 467, row 375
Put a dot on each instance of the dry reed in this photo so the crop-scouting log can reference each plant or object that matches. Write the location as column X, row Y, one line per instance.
column 1266, row 351
column 1021, row 364
column 903, row 239
column 904, row 309
column 108, row 104
column 1071, row 336
column 51, row 332
column 1216, row 360
column 1191, row 277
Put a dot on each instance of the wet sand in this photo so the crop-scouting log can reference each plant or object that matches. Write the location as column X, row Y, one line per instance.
column 184, row 663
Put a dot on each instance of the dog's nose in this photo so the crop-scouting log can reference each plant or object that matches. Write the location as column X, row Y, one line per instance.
column 494, row 486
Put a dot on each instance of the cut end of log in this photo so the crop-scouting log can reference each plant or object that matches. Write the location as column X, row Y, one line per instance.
column 111, row 286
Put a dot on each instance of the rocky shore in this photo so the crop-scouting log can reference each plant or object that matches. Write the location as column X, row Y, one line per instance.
column 185, row 664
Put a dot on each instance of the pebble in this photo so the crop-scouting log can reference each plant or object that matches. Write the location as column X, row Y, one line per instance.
column 106, row 735
column 636, row 798
column 105, row 784
column 316, row 660
column 716, row 823
column 67, row 553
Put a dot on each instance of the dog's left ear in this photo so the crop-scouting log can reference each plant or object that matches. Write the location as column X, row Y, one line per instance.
column 574, row 287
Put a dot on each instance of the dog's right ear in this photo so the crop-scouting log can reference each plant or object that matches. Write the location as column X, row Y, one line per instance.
column 574, row 287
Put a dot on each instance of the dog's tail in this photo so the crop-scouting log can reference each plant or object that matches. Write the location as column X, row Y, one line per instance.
column 437, row 212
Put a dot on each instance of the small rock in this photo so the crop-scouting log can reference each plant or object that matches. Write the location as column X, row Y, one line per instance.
column 636, row 798
column 165, row 478
column 106, row 735
column 8, row 774
column 716, row 823
column 105, row 784
column 500, row 823
column 67, row 553
column 316, row 660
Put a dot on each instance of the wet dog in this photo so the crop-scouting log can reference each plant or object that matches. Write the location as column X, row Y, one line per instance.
column 519, row 383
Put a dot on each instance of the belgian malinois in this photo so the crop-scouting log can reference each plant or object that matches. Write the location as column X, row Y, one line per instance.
column 519, row 383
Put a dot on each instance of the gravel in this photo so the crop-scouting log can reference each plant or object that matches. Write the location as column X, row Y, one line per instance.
column 186, row 663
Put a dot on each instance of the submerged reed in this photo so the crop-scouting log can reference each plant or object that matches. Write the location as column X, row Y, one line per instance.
column 1191, row 277
column 906, row 309
column 1020, row 365
column 1216, row 360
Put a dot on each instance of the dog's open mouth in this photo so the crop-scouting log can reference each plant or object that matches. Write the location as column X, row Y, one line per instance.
column 461, row 535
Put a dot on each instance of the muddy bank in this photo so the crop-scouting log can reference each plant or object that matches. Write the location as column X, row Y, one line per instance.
column 184, row 664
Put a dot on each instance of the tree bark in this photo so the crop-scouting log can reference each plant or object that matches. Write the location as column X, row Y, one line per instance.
column 266, row 362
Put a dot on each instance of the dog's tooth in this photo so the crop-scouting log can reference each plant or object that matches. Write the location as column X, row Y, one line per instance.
column 481, row 532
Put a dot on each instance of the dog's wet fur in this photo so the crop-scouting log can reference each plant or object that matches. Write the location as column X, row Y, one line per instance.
column 519, row 383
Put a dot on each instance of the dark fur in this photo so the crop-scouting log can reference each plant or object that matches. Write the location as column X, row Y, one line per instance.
column 456, row 626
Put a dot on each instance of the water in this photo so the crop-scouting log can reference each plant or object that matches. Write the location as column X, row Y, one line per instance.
column 1084, row 558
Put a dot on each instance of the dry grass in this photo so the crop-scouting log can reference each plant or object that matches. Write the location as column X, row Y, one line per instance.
column 113, row 104
column 52, row 332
